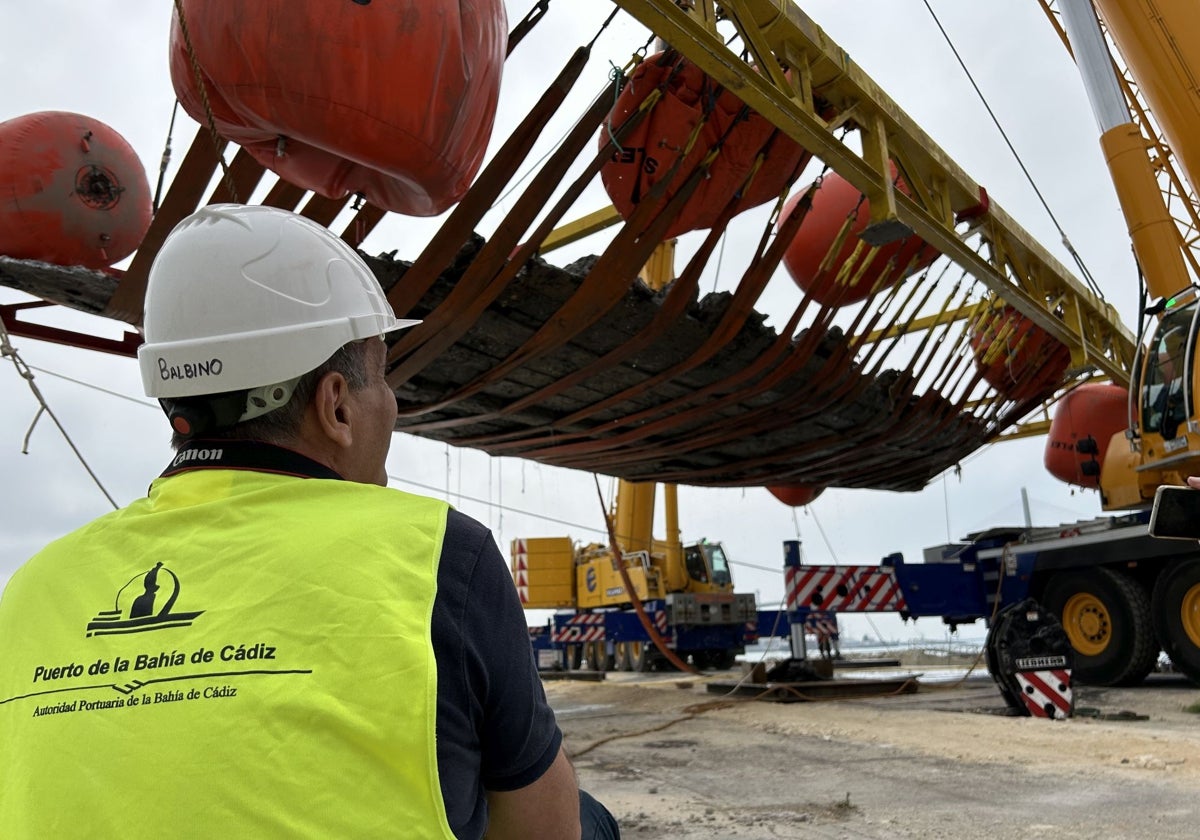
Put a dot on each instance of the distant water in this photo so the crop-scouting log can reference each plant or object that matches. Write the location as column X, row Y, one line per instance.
column 864, row 650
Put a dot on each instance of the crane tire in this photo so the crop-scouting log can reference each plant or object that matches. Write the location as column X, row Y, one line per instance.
column 1106, row 615
column 646, row 658
column 598, row 657
column 1176, row 611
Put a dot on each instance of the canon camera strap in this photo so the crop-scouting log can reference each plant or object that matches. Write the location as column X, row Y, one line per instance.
column 245, row 455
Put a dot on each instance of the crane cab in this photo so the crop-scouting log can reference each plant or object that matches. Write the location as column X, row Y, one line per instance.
column 1165, row 436
column 1166, row 384
column 1167, row 388
column 707, row 567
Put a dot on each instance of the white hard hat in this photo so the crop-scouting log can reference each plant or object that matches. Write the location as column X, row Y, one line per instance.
column 1171, row 342
column 243, row 297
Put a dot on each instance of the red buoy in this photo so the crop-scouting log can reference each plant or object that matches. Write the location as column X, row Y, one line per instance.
column 795, row 495
column 392, row 100
column 1084, row 423
column 1017, row 357
column 651, row 149
column 856, row 270
column 72, row 191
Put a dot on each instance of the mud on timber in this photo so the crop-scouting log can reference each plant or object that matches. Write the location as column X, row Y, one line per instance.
column 752, row 409
column 671, row 763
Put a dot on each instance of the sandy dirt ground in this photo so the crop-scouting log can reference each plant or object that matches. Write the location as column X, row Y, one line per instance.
column 673, row 760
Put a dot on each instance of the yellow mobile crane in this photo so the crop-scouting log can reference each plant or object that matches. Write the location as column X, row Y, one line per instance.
column 686, row 589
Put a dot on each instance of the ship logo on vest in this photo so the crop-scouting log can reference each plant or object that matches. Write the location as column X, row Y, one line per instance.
column 144, row 603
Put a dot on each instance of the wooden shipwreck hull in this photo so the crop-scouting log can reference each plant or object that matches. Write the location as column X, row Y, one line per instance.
column 722, row 422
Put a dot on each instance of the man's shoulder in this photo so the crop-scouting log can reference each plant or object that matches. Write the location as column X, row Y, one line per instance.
column 465, row 527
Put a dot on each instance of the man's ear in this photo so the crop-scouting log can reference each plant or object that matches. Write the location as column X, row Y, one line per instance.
column 330, row 405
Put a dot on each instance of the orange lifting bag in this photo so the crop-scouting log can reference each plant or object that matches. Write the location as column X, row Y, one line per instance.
column 72, row 191
column 855, row 272
column 394, row 100
column 1094, row 410
column 650, row 150
column 796, row 495
column 1017, row 357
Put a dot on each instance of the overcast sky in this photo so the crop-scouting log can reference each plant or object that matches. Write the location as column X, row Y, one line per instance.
column 107, row 59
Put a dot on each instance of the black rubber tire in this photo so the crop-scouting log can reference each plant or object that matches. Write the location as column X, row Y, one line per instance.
column 649, row 659
column 574, row 657
column 1176, row 611
column 1120, row 647
column 623, row 656
column 598, row 657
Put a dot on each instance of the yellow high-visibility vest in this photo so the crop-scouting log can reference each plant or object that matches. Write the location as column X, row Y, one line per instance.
column 240, row 654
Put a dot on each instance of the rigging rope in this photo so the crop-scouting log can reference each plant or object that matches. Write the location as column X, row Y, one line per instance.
column 613, row 73
column 166, row 160
column 1087, row 275
column 24, row 371
column 202, row 90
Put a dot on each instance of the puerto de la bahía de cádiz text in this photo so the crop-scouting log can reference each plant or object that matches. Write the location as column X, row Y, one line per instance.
column 148, row 661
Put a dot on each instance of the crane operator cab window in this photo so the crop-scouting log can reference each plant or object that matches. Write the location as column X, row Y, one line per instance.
column 718, row 563
column 697, row 569
column 706, row 562
column 1166, row 402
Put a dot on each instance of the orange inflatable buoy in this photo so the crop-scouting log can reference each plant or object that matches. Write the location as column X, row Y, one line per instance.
column 651, row 150
column 855, row 271
column 1085, row 420
column 1017, row 357
column 391, row 100
column 72, row 191
column 796, row 495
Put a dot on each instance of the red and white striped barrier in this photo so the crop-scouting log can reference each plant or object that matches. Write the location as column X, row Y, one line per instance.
column 586, row 627
column 822, row 624
column 843, row 589
column 1047, row 694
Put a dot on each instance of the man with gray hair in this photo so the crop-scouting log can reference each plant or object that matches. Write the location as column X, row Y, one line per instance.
column 271, row 643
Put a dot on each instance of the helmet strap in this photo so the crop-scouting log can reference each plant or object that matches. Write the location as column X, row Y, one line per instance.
column 194, row 417
column 197, row 416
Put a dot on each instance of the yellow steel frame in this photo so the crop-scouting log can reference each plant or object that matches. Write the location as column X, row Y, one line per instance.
column 1034, row 428
column 925, row 323
column 573, row 231
column 1015, row 267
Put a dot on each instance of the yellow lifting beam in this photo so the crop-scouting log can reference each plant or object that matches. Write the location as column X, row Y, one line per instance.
column 1015, row 267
